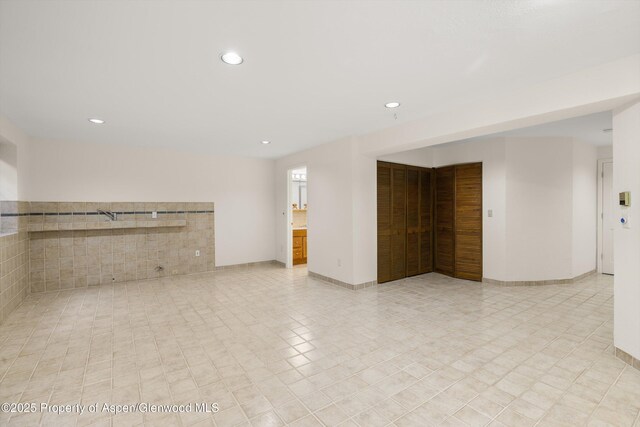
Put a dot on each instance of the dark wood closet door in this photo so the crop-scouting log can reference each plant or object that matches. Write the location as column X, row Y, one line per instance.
column 445, row 220
column 426, row 221
column 384, row 222
column 392, row 221
column 398, row 221
column 413, row 221
column 468, row 221
column 405, row 214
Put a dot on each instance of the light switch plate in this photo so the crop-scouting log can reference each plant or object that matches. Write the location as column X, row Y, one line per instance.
column 490, row 213
column 154, row 214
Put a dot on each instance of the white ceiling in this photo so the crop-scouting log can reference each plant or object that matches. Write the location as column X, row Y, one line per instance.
column 314, row 70
column 587, row 129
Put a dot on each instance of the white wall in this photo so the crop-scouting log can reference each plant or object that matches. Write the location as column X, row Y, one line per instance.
column 605, row 152
column 14, row 144
column 419, row 157
column 241, row 188
column 365, row 225
column 8, row 171
column 626, row 177
column 330, row 220
column 539, row 208
column 542, row 194
column 585, row 208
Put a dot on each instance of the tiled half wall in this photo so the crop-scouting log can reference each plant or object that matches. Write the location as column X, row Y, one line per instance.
column 71, row 245
column 14, row 260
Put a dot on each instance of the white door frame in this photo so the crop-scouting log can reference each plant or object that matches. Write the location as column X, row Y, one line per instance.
column 289, row 227
column 601, row 163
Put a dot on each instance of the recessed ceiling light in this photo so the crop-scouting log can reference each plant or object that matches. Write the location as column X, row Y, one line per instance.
column 231, row 58
column 392, row 104
column 266, row 142
column 607, row 130
column 97, row 121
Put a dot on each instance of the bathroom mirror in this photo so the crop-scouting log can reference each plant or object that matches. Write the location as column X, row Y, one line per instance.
column 299, row 188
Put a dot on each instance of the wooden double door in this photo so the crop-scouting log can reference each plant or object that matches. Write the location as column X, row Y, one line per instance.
column 429, row 220
column 405, row 225
column 458, row 221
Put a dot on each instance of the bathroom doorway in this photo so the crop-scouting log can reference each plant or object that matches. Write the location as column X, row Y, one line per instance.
column 297, row 214
column 606, row 216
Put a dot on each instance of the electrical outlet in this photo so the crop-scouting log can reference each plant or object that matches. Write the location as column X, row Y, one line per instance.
column 197, row 253
column 154, row 214
column 339, row 262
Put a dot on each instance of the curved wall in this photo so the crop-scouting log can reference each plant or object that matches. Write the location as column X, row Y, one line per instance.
column 542, row 196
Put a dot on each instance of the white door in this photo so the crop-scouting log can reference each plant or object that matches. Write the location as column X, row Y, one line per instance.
column 608, row 219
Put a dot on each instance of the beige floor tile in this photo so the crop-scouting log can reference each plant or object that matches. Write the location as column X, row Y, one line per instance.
column 331, row 415
column 370, row 418
column 272, row 346
column 472, row 417
column 308, row 421
column 292, row 411
column 268, row 419
column 230, row 417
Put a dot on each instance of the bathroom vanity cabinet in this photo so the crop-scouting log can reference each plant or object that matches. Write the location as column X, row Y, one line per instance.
column 299, row 246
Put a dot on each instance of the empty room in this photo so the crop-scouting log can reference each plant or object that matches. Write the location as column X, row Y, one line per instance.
column 320, row 213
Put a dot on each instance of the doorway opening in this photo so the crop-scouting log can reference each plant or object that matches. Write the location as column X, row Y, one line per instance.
column 606, row 216
column 297, row 217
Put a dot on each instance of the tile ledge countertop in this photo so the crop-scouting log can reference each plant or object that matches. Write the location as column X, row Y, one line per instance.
column 107, row 225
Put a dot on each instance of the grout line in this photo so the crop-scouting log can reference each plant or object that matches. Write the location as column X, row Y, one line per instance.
column 606, row 393
column 40, row 357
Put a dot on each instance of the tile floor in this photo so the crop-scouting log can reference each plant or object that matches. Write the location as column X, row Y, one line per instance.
column 272, row 347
